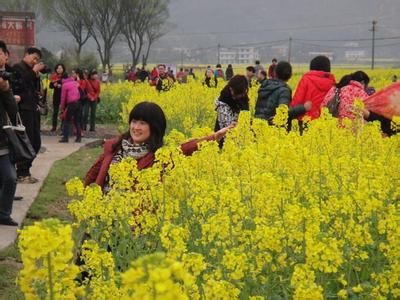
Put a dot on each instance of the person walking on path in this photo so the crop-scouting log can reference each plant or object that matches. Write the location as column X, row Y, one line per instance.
column 93, row 97
column 70, row 100
column 55, row 84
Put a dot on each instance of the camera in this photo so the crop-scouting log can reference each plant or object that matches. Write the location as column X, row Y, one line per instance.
column 5, row 75
column 46, row 69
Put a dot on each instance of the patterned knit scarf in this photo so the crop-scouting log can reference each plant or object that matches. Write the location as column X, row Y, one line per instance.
column 130, row 150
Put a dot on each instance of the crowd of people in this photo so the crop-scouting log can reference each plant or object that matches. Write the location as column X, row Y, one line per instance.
column 22, row 94
column 76, row 96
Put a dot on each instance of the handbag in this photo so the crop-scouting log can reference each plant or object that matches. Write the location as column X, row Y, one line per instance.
column 333, row 104
column 19, row 145
column 42, row 103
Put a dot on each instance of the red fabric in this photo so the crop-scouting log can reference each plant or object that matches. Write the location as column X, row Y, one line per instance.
column 313, row 86
column 93, row 89
column 98, row 172
column 348, row 94
column 271, row 72
column 83, row 84
column 154, row 74
column 385, row 102
column 55, row 77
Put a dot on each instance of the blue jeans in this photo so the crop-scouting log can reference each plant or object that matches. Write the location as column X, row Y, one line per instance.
column 8, row 185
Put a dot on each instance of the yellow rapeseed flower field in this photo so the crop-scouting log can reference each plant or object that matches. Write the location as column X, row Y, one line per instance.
column 271, row 215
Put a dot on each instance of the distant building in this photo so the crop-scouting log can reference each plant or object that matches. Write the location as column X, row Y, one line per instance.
column 238, row 55
column 227, row 56
column 354, row 55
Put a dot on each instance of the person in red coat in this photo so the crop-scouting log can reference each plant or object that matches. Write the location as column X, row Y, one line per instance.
column 314, row 85
column 147, row 124
column 93, row 97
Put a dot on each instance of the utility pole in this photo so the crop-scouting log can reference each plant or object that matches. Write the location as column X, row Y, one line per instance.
column 373, row 44
column 219, row 49
column 290, row 49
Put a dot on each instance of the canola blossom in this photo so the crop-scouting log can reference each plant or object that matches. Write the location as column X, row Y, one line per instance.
column 271, row 215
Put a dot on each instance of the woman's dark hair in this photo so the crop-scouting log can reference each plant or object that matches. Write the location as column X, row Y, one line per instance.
column 320, row 63
column 263, row 73
column 283, row 70
column 345, row 80
column 360, row 76
column 79, row 72
column 251, row 69
column 62, row 66
column 93, row 72
column 152, row 114
column 239, row 86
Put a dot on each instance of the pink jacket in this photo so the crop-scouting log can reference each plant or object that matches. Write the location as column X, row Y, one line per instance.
column 348, row 94
column 69, row 92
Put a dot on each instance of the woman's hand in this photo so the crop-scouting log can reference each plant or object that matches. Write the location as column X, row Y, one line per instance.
column 308, row 105
column 222, row 132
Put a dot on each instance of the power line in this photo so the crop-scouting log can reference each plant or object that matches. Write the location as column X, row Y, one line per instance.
column 349, row 40
column 315, row 27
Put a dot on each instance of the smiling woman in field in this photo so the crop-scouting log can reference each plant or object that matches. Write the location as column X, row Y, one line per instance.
column 147, row 124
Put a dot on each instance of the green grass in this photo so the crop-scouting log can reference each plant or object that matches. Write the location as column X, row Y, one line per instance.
column 51, row 202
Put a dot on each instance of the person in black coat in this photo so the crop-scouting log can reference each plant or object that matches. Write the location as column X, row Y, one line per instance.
column 8, row 111
column 27, row 72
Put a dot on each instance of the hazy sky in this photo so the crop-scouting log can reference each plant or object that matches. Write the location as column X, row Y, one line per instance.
column 203, row 23
column 247, row 21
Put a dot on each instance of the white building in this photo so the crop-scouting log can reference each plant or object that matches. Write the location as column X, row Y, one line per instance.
column 227, row 56
column 239, row 55
column 354, row 55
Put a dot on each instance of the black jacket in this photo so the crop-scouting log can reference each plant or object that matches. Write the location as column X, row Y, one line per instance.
column 271, row 94
column 9, row 106
column 26, row 86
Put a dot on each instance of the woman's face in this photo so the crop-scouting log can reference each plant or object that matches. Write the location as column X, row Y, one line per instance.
column 209, row 73
column 140, row 131
column 60, row 70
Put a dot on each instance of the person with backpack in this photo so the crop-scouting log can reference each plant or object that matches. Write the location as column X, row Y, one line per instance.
column 218, row 73
column 70, row 101
column 340, row 100
column 210, row 80
column 275, row 92
column 349, row 88
column 313, row 86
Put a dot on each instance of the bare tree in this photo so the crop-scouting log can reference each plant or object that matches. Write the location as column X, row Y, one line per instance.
column 102, row 19
column 143, row 23
column 64, row 13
